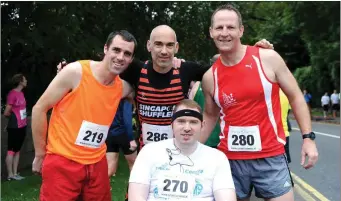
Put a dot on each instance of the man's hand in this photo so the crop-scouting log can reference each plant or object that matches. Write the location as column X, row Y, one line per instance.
column 37, row 163
column 61, row 65
column 309, row 149
column 264, row 44
column 177, row 62
column 133, row 145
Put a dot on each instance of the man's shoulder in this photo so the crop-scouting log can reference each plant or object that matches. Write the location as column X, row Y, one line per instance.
column 189, row 65
column 156, row 146
column 74, row 68
column 268, row 53
column 208, row 77
column 212, row 152
column 132, row 72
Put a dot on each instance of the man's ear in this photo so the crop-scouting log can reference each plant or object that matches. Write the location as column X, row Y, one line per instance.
column 148, row 45
column 241, row 29
column 105, row 49
column 203, row 124
column 211, row 32
column 176, row 47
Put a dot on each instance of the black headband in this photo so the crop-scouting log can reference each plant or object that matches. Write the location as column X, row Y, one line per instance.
column 187, row 112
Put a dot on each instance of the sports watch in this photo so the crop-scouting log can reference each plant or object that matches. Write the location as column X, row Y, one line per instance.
column 310, row 135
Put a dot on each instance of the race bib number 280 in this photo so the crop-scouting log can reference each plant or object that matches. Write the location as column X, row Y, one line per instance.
column 244, row 138
column 92, row 135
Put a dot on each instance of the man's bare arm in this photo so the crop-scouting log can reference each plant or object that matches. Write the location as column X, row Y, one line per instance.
column 211, row 111
column 193, row 90
column 138, row 192
column 290, row 88
column 227, row 194
column 64, row 81
column 127, row 89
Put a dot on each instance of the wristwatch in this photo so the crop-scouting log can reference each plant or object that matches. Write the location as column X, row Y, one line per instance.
column 310, row 135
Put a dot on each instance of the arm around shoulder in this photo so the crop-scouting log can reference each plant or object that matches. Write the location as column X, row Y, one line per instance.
column 128, row 90
column 193, row 90
column 195, row 70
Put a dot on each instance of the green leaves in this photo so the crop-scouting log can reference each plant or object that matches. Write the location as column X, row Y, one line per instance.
column 36, row 35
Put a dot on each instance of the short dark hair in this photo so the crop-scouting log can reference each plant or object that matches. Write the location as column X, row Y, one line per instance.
column 16, row 79
column 124, row 34
column 229, row 7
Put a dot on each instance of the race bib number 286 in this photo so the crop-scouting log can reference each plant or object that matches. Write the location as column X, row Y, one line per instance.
column 155, row 133
column 92, row 135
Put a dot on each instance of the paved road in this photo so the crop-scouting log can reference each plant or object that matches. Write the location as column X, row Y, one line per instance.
column 325, row 176
column 323, row 181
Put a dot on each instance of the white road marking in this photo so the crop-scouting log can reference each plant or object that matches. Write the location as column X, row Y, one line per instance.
column 318, row 133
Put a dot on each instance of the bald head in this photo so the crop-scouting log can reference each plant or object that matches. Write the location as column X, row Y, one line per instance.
column 160, row 30
column 163, row 46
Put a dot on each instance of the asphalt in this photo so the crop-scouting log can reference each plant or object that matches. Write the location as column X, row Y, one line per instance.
column 325, row 176
column 322, row 182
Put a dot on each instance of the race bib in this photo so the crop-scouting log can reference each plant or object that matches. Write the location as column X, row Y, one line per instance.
column 155, row 133
column 92, row 135
column 23, row 114
column 246, row 138
column 176, row 187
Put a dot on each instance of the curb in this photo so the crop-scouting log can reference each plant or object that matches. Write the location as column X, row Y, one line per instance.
column 322, row 121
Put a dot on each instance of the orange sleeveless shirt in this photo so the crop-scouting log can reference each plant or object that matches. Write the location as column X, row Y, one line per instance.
column 80, row 122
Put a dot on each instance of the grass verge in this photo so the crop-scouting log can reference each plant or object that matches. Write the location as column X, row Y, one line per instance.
column 29, row 188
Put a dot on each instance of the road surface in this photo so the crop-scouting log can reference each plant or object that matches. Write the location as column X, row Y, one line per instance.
column 323, row 181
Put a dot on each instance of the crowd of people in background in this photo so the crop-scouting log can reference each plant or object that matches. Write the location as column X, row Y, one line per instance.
column 330, row 104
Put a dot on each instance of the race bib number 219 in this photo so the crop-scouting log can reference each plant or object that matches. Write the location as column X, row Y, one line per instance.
column 92, row 135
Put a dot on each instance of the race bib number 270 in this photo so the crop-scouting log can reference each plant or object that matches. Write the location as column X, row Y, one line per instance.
column 176, row 188
column 92, row 135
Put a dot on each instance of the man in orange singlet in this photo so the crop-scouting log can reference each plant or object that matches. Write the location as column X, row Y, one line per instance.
column 84, row 97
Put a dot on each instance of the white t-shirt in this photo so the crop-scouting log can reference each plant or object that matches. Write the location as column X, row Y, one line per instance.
column 335, row 98
column 325, row 100
column 173, row 176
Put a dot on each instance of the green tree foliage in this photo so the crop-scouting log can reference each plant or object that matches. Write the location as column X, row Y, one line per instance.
column 319, row 25
column 37, row 35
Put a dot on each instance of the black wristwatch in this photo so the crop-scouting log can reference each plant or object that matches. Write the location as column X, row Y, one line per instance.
column 310, row 135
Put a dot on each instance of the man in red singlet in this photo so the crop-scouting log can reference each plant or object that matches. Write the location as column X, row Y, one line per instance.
column 243, row 86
